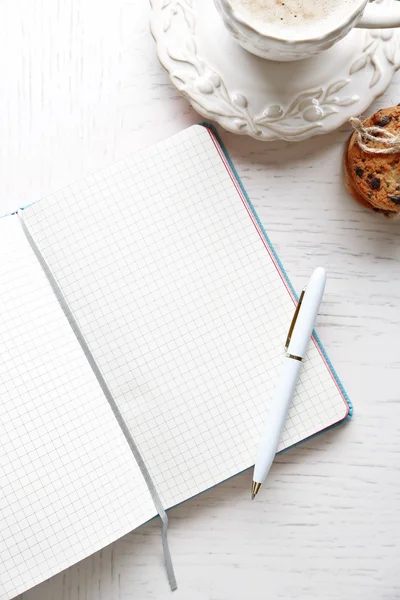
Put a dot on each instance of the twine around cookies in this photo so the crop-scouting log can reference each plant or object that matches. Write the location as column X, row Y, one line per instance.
column 377, row 135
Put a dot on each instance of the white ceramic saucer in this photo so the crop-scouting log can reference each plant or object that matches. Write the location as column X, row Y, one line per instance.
column 269, row 100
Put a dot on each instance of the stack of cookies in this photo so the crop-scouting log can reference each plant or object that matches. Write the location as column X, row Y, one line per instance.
column 373, row 179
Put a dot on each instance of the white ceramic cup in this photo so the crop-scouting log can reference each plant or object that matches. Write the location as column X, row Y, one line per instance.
column 379, row 14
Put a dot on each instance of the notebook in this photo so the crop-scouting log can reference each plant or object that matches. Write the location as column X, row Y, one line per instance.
column 184, row 307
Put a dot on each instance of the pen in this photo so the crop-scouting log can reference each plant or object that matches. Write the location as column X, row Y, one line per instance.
column 296, row 346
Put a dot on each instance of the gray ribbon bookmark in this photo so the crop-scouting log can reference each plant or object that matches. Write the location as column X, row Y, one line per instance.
column 107, row 393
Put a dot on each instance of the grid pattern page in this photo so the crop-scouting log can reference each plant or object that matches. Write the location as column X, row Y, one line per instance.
column 69, row 483
column 183, row 309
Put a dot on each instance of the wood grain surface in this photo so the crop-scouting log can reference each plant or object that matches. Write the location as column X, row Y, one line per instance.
column 80, row 86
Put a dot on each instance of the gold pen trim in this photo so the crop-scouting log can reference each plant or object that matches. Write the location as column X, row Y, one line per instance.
column 293, row 356
column 293, row 323
column 255, row 488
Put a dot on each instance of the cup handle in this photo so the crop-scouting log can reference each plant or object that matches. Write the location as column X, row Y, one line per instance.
column 379, row 15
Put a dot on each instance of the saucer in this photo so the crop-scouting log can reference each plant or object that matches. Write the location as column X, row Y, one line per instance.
column 269, row 100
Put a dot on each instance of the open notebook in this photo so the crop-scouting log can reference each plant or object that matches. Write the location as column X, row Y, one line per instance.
column 185, row 309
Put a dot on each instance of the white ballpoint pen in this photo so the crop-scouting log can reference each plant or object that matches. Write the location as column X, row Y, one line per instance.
column 296, row 345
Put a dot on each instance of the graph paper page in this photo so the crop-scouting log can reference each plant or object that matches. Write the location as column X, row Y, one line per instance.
column 183, row 308
column 69, row 483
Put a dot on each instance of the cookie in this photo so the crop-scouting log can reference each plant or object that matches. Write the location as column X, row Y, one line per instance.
column 374, row 179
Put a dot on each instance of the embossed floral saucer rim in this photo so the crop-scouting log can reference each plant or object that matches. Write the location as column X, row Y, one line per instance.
column 311, row 112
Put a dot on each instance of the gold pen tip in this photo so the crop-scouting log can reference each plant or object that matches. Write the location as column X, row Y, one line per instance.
column 255, row 488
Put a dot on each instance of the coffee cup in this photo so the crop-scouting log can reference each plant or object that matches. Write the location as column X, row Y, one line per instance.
column 296, row 29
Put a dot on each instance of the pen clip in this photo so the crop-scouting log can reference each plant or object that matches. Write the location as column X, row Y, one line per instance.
column 293, row 323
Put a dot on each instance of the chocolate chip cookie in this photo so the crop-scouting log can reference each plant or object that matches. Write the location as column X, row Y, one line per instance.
column 374, row 179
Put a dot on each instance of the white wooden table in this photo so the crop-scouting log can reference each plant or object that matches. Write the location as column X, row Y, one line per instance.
column 80, row 86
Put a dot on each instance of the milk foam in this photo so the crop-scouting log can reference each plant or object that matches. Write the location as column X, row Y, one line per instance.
column 299, row 16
